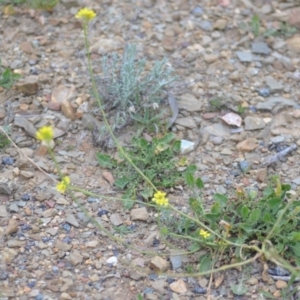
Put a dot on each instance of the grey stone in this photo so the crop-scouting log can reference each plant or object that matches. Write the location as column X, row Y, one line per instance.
column 277, row 139
column 5, row 188
column 187, row 122
column 260, row 48
column 254, row 123
column 278, row 102
column 90, row 122
column 26, row 125
column 206, row 25
column 16, row 64
column 72, row 220
column 274, row 85
column 296, row 180
column 245, row 56
column 15, row 244
column 217, row 129
column 190, row 103
column 13, row 207
column 3, row 211
column 115, row 219
column 176, row 259
column 75, row 258
column 197, row 11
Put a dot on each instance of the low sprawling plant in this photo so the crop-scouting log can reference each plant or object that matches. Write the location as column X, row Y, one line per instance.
column 157, row 159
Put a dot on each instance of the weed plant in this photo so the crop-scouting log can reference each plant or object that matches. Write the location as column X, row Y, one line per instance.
column 130, row 93
column 8, row 78
column 156, row 159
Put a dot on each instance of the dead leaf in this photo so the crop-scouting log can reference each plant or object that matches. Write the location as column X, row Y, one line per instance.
column 232, row 119
column 108, row 177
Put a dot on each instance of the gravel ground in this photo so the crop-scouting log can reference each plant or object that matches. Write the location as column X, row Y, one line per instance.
column 49, row 249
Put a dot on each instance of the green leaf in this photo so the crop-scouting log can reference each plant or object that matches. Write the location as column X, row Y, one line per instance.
column 122, row 182
column 222, row 199
column 294, row 236
column 105, row 161
column 147, row 193
column 239, row 289
column 268, row 219
column 189, row 179
column 196, row 205
column 254, row 215
column 199, row 183
column 205, row 263
column 194, row 247
column 245, row 212
column 296, row 249
column 216, row 208
column 274, row 204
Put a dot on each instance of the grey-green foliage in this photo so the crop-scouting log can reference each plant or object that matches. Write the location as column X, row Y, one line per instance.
column 130, row 91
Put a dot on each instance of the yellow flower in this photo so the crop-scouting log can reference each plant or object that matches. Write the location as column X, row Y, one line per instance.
column 160, row 198
column 205, row 234
column 62, row 186
column 45, row 133
column 85, row 14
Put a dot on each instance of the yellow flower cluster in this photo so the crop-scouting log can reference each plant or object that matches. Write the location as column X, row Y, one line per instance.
column 160, row 199
column 45, row 134
column 85, row 14
column 62, row 186
column 205, row 234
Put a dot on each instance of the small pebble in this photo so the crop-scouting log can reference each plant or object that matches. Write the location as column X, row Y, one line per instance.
column 8, row 161
column 197, row 11
column 102, row 212
column 264, row 92
column 26, row 197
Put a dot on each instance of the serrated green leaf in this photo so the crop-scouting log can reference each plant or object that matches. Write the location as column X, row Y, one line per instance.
column 205, row 263
column 239, row 289
column 121, row 182
column 105, row 161
column 254, row 215
column 147, row 193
